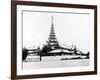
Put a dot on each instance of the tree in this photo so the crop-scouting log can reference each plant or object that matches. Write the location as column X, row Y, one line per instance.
column 45, row 50
column 24, row 54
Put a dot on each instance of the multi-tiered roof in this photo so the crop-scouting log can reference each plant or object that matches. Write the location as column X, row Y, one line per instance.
column 52, row 41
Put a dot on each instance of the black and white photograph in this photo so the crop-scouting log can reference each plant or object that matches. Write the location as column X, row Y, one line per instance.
column 55, row 39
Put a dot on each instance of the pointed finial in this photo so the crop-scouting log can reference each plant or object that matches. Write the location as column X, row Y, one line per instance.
column 52, row 19
column 52, row 23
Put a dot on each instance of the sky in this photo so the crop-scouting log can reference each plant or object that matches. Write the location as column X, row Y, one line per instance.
column 70, row 29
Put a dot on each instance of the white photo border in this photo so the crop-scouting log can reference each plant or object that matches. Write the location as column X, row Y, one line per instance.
column 20, row 71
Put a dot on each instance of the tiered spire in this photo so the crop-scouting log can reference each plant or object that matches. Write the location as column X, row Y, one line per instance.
column 52, row 41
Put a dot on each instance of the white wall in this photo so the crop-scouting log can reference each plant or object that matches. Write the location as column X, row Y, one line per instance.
column 5, row 32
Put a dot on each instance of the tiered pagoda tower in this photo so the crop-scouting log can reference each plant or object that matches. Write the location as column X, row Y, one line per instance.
column 52, row 41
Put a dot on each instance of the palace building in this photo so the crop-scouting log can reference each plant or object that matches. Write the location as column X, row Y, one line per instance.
column 53, row 47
